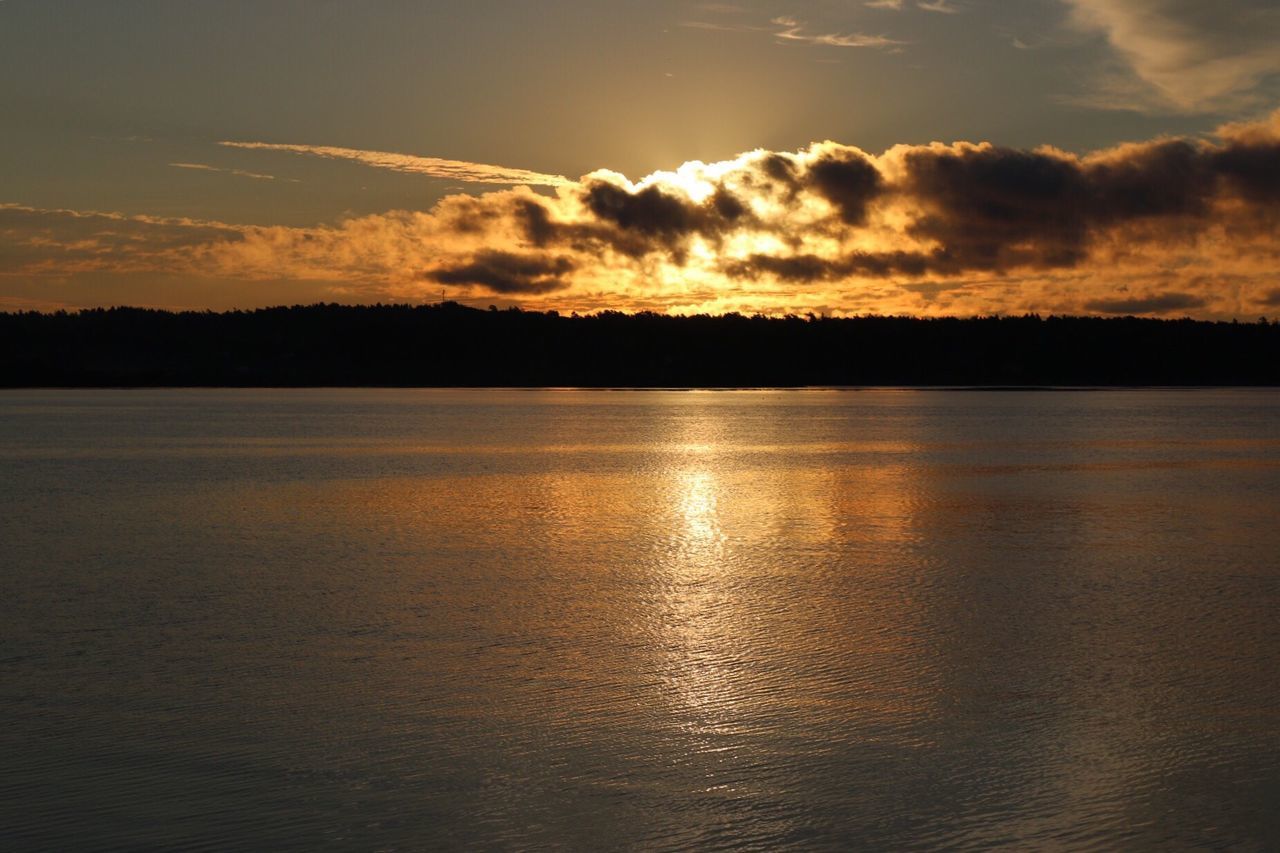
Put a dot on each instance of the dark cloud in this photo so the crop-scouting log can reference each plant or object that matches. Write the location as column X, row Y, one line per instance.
column 994, row 208
column 850, row 182
column 505, row 272
column 728, row 206
column 1159, row 304
column 1271, row 298
column 809, row 268
column 535, row 222
column 796, row 268
column 1252, row 170
column 476, row 215
column 938, row 210
column 648, row 220
column 650, row 211
column 781, row 168
column 982, row 208
column 1166, row 178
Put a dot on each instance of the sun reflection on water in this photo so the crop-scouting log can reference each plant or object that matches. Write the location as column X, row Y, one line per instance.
column 741, row 661
column 700, row 616
column 699, row 509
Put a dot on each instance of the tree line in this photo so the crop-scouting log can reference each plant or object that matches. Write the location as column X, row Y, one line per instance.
column 448, row 344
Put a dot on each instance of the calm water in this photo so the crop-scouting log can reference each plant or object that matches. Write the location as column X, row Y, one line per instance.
column 401, row 620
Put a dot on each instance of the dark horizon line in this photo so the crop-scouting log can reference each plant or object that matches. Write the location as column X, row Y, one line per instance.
column 449, row 345
column 454, row 304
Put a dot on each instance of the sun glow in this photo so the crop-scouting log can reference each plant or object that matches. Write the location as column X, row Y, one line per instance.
column 699, row 181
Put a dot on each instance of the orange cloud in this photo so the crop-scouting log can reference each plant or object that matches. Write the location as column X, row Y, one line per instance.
column 1166, row 227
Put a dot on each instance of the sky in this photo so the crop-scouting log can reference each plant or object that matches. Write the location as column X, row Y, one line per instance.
column 928, row 157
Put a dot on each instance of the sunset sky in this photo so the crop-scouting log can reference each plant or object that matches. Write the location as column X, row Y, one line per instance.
column 894, row 156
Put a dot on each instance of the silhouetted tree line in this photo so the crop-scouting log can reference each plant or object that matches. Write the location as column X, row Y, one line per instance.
column 454, row 345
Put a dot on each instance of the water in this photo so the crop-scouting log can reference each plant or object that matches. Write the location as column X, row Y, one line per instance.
column 401, row 620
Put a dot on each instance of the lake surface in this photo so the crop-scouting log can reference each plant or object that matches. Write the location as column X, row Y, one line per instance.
column 406, row 620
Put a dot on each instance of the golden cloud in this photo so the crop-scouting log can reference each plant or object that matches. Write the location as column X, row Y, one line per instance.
column 1170, row 226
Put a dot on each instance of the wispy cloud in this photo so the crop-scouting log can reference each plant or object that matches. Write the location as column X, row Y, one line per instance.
column 793, row 30
column 58, row 242
column 941, row 6
column 1183, row 56
column 435, row 167
column 241, row 173
column 711, row 26
column 115, row 216
column 788, row 29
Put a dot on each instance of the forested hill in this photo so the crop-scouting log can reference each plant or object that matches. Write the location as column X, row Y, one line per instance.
column 453, row 345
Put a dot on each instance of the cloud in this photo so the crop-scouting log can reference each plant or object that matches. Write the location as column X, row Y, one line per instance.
column 201, row 167
column 940, row 6
column 792, row 30
column 719, row 28
column 788, row 29
column 1163, row 303
column 1184, row 55
column 848, row 179
column 453, row 170
column 40, row 242
column 996, row 208
column 508, row 273
column 809, row 268
column 1172, row 224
